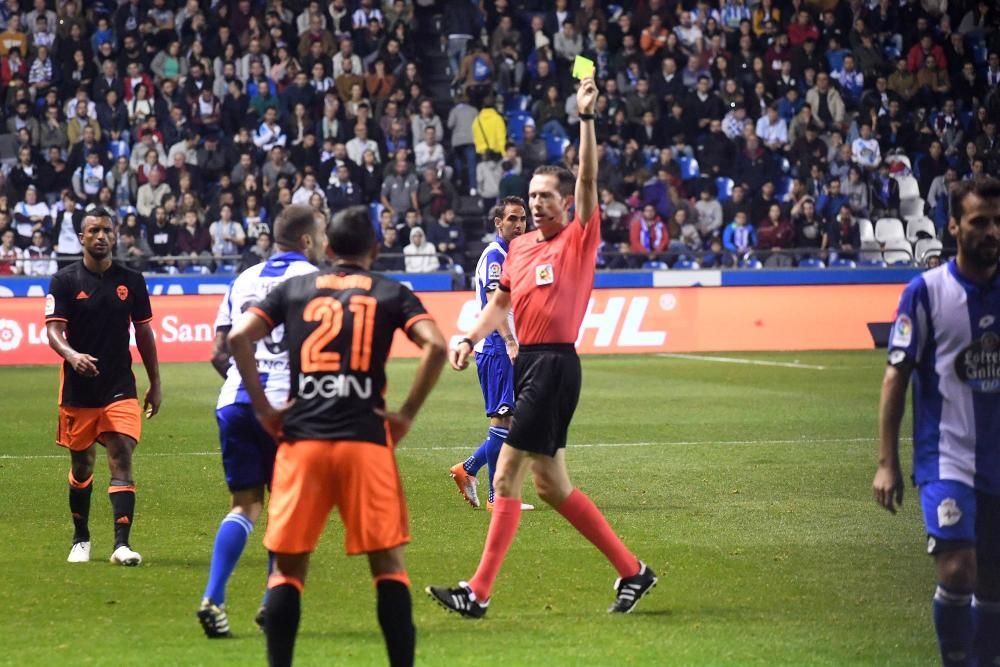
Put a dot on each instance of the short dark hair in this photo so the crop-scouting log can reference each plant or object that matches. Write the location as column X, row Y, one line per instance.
column 567, row 181
column 984, row 188
column 350, row 233
column 294, row 221
column 501, row 206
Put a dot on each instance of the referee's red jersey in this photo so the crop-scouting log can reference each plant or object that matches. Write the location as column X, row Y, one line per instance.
column 550, row 281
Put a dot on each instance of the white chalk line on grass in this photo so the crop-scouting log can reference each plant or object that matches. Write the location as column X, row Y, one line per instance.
column 737, row 360
column 461, row 448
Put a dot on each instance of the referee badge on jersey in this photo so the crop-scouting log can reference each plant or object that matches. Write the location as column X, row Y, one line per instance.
column 122, row 292
column 544, row 275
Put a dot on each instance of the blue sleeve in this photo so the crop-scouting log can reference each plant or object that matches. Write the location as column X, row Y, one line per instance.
column 491, row 269
column 727, row 238
column 906, row 342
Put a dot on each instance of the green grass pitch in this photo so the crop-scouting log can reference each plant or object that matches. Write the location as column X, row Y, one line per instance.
column 747, row 488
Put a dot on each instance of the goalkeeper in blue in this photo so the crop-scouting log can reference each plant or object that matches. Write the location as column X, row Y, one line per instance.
column 248, row 451
column 946, row 338
column 495, row 354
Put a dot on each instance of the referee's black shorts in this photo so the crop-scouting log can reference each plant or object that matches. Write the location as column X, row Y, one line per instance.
column 546, row 389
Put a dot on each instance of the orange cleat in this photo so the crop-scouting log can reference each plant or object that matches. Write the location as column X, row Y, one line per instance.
column 466, row 484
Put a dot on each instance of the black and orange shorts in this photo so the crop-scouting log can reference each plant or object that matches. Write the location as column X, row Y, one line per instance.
column 79, row 428
column 360, row 479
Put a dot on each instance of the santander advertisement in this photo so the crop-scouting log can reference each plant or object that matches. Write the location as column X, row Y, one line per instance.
column 618, row 321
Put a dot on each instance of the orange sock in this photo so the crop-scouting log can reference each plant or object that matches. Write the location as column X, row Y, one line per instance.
column 583, row 514
column 503, row 528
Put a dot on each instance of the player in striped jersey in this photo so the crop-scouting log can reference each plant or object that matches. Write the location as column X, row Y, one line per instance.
column 494, row 354
column 247, row 449
column 947, row 337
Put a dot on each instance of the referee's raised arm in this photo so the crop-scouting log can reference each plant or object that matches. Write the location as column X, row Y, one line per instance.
column 586, row 180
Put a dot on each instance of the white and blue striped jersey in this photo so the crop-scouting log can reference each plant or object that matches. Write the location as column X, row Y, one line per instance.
column 948, row 330
column 488, row 272
column 249, row 289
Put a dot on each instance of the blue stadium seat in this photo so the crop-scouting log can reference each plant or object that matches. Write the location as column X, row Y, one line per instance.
column 516, row 103
column 872, row 263
column 843, row 263
column 965, row 118
column 651, row 156
column 655, row 264
column 689, row 167
column 782, row 187
column 516, row 120
column 724, row 185
column 811, row 263
column 751, row 263
column 555, row 147
column 686, row 264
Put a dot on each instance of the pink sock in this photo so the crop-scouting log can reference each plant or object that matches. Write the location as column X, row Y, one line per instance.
column 583, row 514
column 503, row 528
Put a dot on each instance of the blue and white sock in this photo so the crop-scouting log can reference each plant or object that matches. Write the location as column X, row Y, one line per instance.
column 986, row 618
column 495, row 439
column 477, row 460
column 953, row 623
column 230, row 540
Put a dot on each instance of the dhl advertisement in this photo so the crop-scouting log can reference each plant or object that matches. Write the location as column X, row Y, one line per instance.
column 618, row 321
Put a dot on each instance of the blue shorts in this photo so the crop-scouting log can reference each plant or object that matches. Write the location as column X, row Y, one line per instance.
column 247, row 449
column 496, row 378
column 957, row 516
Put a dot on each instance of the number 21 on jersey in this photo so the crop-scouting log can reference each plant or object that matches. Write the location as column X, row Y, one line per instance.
column 329, row 312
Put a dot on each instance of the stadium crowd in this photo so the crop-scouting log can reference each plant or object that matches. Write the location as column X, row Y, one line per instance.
column 730, row 132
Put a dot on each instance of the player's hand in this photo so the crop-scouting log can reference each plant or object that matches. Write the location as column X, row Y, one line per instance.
column 84, row 364
column 399, row 424
column 271, row 417
column 512, row 349
column 586, row 95
column 151, row 403
column 459, row 356
column 888, row 487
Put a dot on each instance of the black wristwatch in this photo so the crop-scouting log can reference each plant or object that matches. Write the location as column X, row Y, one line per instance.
column 467, row 341
column 586, row 116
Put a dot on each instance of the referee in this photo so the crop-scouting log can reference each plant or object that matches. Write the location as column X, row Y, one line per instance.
column 547, row 279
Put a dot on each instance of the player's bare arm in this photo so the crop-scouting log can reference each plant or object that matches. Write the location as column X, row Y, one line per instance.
column 145, row 341
column 489, row 320
column 509, row 339
column 586, row 180
column 84, row 364
column 220, row 353
column 888, row 484
column 426, row 335
column 241, row 340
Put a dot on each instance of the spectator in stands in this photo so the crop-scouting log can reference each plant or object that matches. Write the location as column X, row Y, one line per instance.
column 489, row 131
column 810, row 230
column 10, row 254
column 865, row 150
column 708, row 211
column 448, row 237
column 489, row 173
column 533, row 150
column 194, row 242
column 857, row 192
column 30, row 216
column 89, row 177
column 843, row 234
column 429, row 154
column 133, row 251
column 434, row 195
column 772, row 129
column 343, row 192
column 258, row 252
column 420, row 256
column 884, row 194
column 38, row 259
column 932, row 82
column 389, row 252
column 461, row 119
column 152, row 193
column 826, row 103
column 851, row 81
column 739, row 238
column 648, row 235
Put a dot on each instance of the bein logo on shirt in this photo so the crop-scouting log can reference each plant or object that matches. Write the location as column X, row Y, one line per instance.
column 979, row 364
column 334, row 386
column 948, row 513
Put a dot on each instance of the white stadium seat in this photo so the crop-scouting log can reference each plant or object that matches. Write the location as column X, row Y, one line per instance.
column 921, row 224
column 889, row 228
column 897, row 250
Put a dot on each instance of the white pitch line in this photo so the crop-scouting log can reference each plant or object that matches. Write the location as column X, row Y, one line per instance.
column 735, row 360
column 462, row 448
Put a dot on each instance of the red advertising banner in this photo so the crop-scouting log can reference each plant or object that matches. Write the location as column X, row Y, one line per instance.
column 693, row 319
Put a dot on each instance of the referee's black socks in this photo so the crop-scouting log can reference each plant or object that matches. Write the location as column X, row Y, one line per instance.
column 79, row 506
column 122, row 495
column 395, row 615
column 283, row 608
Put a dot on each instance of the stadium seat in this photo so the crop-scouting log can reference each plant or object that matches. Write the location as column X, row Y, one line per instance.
column 689, row 167
column 8, row 149
column 897, row 252
column 782, row 187
column 751, row 263
column 686, row 264
column 911, row 208
column 899, row 158
column 908, row 186
column 872, row 263
column 516, row 120
column 811, row 263
column 514, row 103
column 555, row 146
column 655, row 265
column 926, row 248
column 724, row 185
column 843, row 263
column 889, row 228
column 871, row 250
column 919, row 224
column 866, row 229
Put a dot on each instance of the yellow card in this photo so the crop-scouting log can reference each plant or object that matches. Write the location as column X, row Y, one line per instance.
column 583, row 67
